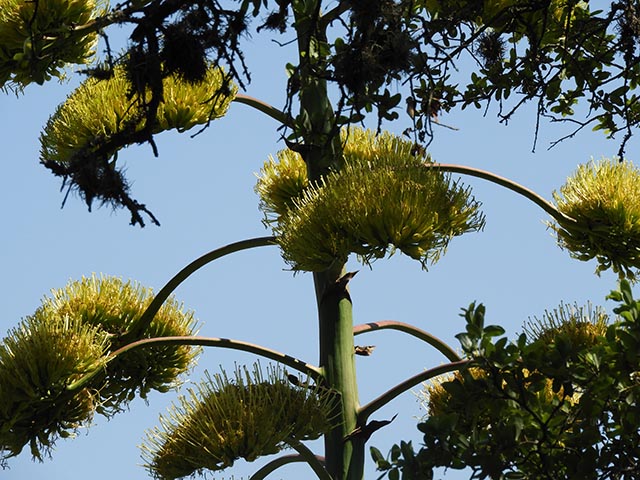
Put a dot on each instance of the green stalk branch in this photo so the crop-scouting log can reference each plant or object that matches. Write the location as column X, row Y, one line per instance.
column 265, row 108
column 316, row 463
column 435, row 342
column 366, row 411
column 146, row 318
column 306, row 368
column 505, row 182
column 277, row 463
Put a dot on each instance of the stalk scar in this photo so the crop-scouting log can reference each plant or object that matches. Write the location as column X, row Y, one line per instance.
column 426, row 337
column 386, row 397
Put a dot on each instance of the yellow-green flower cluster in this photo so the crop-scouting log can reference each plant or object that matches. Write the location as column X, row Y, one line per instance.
column 39, row 359
column 98, row 109
column 37, row 39
column 227, row 419
column 383, row 198
column 280, row 182
column 71, row 335
column 603, row 199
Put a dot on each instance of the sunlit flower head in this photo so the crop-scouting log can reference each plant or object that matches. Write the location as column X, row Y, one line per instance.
column 36, row 40
column 225, row 419
column 115, row 307
column 39, row 359
column 383, row 199
column 603, row 199
column 99, row 109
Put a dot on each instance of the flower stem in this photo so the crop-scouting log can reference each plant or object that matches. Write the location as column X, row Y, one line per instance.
column 145, row 320
column 279, row 462
column 505, row 182
column 377, row 403
column 306, row 368
column 435, row 342
column 317, row 464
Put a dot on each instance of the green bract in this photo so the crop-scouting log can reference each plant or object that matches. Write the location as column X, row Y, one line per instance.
column 37, row 39
column 39, row 359
column 227, row 419
column 384, row 197
column 115, row 307
column 99, row 109
column 604, row 200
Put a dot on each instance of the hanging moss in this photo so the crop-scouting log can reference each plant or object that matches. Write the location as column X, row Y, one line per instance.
column 99, row 109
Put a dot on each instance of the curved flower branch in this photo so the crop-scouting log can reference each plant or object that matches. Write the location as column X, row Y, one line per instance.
column 386, row 397
column 279, row 462
column 183, row 274
column 505, row 182
column 435, row 342
column 306, row 368
column 316, row 463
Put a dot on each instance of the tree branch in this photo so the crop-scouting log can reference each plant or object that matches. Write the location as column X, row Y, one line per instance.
column 306, row 368
column 435, row 342
column 402, row 387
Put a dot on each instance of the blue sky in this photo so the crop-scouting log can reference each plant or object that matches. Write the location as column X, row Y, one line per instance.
column 201, row 190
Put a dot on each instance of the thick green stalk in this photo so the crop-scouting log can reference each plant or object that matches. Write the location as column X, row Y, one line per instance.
column 344, row 458
column 316, row 130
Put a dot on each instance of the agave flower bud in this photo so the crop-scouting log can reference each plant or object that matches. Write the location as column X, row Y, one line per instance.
column 99, row 109
column 227, row 419
column 383, row 198
column 37, row 40
column 115, row 307
column 39, row 359
column 603, row 199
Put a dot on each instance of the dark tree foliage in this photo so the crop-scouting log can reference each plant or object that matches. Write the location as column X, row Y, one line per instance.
column 559, row 403
column 576, row 62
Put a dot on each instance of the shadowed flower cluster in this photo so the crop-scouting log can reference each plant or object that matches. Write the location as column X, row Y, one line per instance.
column 384, row 198
column 36, row 39
column 55, row 368
column 225, row 419
column 603, row 199
column 99, row 109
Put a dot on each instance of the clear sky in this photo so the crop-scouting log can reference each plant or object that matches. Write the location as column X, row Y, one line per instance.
column 201, row 190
